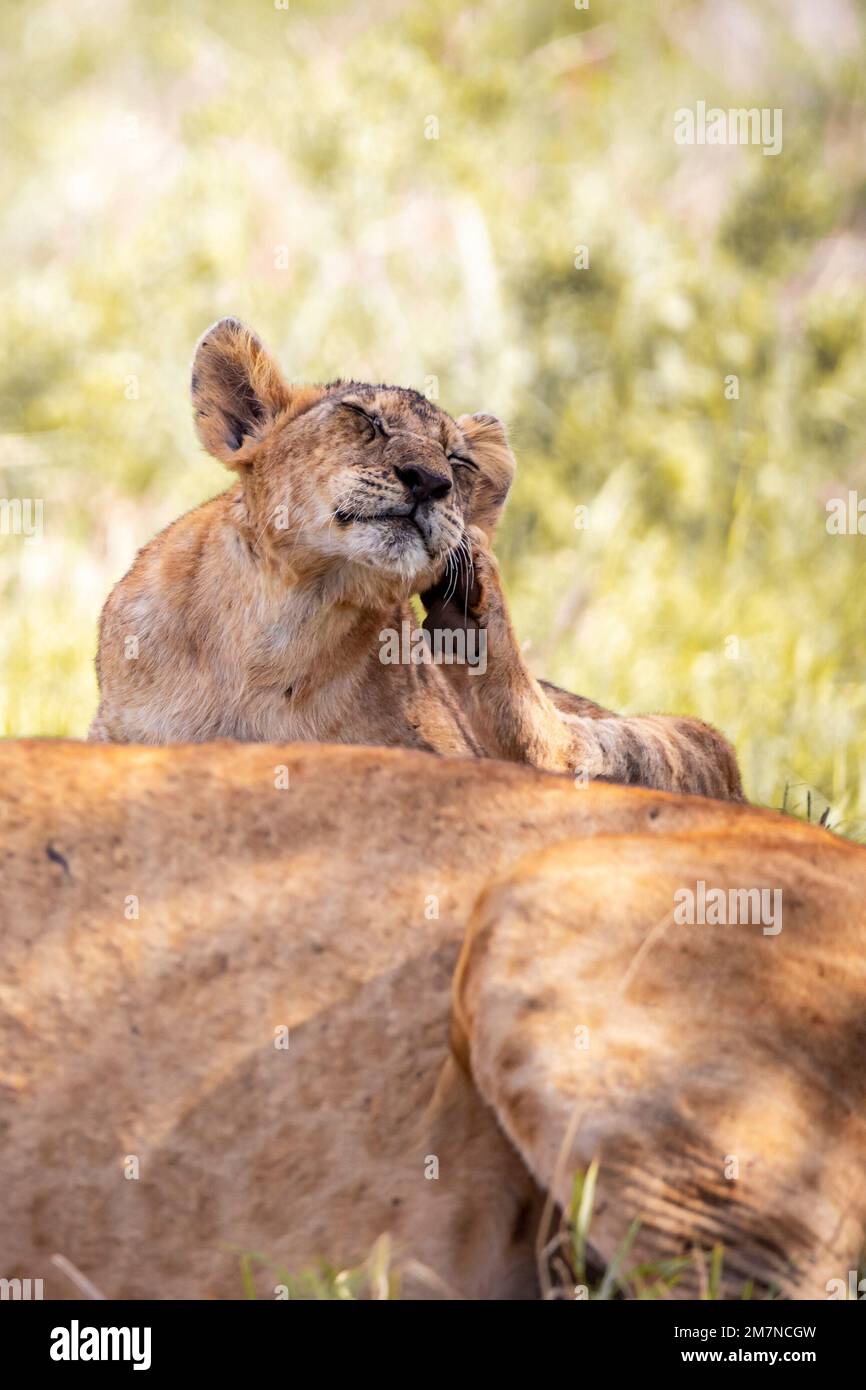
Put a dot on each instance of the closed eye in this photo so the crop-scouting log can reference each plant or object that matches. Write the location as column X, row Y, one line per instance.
column 463, row 462
column 372, row 420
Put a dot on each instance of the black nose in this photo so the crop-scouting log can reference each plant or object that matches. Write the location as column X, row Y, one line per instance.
column 422, row 482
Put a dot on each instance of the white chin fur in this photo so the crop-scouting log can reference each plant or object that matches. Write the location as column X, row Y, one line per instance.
column 394, row 551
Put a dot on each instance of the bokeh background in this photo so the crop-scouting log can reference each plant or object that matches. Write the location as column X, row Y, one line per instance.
column 397, row 191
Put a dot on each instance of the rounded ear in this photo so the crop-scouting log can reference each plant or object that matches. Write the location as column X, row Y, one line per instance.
column 488, row 443
column 238, row 392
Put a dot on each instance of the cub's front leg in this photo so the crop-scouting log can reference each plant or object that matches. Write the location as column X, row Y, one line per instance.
column 516, row 719
column 510, row 712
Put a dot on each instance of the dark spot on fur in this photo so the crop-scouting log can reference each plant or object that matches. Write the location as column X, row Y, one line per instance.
column 57, row 858
column 217, row 965
column 520, row 1229
column 655, row 812
column 235, row 437
column 525, row 1110
column 288, row 692
column 535, row 1004
column 512, row 1057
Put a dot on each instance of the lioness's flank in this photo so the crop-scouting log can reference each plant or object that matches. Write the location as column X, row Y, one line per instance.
column 261, row 615
column 268, row 1032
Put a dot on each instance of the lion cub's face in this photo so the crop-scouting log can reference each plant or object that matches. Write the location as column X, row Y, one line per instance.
column 389, row 477
column 374, row 477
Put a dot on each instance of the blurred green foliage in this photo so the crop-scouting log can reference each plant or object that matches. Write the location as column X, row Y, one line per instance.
column 398, row 191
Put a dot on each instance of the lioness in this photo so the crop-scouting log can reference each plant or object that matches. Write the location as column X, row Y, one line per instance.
column 260, row 615
column 225, row 974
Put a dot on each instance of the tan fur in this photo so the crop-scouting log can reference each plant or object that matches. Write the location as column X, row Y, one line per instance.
column 152, row 1035
column 259, row 616
column 522, row 719
column 706, row 1046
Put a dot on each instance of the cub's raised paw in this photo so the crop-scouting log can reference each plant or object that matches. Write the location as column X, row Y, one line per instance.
column 470, row 587
column 485, row 588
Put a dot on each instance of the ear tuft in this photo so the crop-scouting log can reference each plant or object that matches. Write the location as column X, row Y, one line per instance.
column 237, row 391
column 488, row 441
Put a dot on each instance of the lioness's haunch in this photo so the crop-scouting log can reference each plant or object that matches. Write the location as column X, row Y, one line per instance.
column 168, row 913
column 711, row 1060
column 266, row 613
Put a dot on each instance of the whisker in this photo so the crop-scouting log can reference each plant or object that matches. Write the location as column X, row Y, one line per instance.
column 452, row 574
column 466, row 552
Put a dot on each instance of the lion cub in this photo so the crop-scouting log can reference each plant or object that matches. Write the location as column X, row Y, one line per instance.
column 263, row 615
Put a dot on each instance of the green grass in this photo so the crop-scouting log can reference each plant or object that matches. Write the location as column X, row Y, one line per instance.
column 572, row 1271
column 576, row 1275
column 373, row 1279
